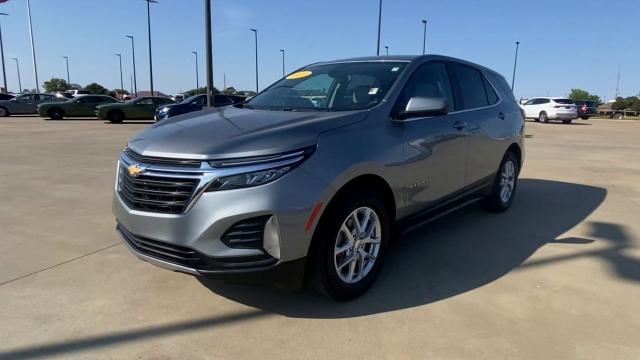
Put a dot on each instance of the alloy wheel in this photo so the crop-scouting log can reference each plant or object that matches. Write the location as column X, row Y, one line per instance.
column 507, row 181
column 357, row 245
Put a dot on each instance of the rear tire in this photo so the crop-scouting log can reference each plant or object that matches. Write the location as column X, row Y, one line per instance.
column 116, row 117
column 55, row 114
column 331, row 272
column 567, row 121
column 504, row 186
column 584, row 117
column 543, row 117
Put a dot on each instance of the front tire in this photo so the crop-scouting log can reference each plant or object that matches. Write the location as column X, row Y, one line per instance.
column 116, row 117
column 3, row 112
column 350, row 244
column 504, row 186
column 55, row 114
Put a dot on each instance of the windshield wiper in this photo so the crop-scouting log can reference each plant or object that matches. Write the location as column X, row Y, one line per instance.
column 244, row 106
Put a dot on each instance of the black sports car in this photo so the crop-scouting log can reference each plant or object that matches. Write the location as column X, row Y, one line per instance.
column 195, row 103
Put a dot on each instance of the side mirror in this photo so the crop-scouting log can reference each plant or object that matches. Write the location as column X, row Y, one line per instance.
column 423, row 107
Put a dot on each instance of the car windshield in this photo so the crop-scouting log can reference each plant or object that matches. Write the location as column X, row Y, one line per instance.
column 189, row 99
column 563, row 101
column 330, row 87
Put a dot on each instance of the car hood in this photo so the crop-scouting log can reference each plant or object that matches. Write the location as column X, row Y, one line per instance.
column 231, row 132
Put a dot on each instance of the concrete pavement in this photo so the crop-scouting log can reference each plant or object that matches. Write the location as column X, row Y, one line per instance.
column 556, row 277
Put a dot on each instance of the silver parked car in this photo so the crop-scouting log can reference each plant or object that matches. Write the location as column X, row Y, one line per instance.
column 309, row 177
column 24, row 104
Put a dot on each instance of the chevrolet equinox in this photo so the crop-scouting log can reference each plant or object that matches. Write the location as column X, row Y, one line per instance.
column 311, row 177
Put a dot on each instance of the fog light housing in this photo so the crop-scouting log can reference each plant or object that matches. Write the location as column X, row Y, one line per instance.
column 271, row 238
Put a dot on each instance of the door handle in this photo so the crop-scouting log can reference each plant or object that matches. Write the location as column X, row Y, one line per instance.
column 501, row 115
column 460, row 125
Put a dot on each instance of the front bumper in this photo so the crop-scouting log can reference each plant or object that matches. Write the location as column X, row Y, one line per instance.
column 201, row 228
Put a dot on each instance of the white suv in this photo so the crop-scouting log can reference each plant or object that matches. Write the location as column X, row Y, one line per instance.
column 544, row 109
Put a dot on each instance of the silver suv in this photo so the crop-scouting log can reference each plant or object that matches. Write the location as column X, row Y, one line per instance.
column 310, row 177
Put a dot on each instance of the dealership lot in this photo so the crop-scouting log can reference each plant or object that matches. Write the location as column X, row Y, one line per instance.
column 555, row 277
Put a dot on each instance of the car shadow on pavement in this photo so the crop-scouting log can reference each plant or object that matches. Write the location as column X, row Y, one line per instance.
column 459, row 253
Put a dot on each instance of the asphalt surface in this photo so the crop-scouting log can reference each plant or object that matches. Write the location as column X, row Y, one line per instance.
column 556, row 277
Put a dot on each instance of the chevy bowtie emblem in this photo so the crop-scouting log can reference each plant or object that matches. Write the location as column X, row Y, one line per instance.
column 135, row 170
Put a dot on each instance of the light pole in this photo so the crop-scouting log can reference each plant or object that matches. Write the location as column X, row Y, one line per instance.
column 121, row 82
column 197, row 81
column 18, row 69
column 133, row 53
column 386, row 49
column 224, row 81
column 282, row 51
column 66, row 58
column 33, row 49
column 515, row 64
column 379, row 26
column 4, row 72
column 424, row 37
column 209, row 51
column 255, row 32
column 149, row 32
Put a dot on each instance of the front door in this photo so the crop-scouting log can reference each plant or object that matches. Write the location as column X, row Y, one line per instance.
column 435, row 147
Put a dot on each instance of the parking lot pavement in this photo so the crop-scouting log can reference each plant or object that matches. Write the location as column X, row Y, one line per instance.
column 556, row 277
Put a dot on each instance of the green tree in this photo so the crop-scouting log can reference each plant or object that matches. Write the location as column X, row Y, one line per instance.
column 579, row 94
column 55, row 84
column 629, row 103
column 230, row 90
column 95, row 88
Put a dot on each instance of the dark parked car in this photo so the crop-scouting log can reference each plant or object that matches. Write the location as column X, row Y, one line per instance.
column 586, row 108
column 4, row 96
column 141, row 108
column 24, row 104
column 195, row 103
column 80, row 106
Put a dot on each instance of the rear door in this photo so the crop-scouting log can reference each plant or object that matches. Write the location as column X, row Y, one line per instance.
column 435, row 146
column 25, row 104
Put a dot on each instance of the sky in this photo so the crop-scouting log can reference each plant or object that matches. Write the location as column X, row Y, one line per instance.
column 564, row 44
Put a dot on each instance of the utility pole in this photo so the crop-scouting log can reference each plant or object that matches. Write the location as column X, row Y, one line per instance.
column 149, row 32
column 424, row 37
column 209, row 51
column 18, row 69
column 135, row 79
column 282, row 51
column 197, row 80
column 66, row 58
column 255, row 32
column 618, row 83
column 515, row 64
column 224, row 81
column 379, row 27
column 121, row 82
column 33, row 49
column 4, row 72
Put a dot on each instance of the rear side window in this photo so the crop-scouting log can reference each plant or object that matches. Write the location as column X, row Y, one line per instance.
column 492, row 97
column 469, row 87
column 430, row 80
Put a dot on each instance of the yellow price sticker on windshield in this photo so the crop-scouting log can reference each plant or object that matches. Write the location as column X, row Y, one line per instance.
column 299, row 74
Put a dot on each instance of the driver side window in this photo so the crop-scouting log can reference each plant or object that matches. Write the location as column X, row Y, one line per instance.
column 430, row 80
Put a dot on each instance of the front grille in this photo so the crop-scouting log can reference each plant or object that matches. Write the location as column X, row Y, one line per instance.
column 156, row 194
column 154, row 160
column 190, row 258
column 246, row 234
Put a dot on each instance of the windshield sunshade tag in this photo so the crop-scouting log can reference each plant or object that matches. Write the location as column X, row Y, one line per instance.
column 299, row 75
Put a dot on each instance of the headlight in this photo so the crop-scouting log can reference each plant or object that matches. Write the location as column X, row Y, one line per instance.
column 259, row 170
column 164, row 109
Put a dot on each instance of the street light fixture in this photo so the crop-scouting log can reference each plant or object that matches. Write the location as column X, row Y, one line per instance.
column 386, row 48
column 66, row 58
column 33, row 48
column 4, row 72
column 18, row 69
column 197, row 80
column 121, row 82
column 424, row 37
column 282, row 51
column 149, row 33
column 255, row 32
column 133, row 52
column 515, row 64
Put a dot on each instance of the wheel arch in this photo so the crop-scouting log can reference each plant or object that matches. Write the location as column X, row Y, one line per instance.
column 517, row 151
column 7, row 112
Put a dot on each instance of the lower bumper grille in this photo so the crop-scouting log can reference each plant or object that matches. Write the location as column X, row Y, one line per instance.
column 188, row 257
